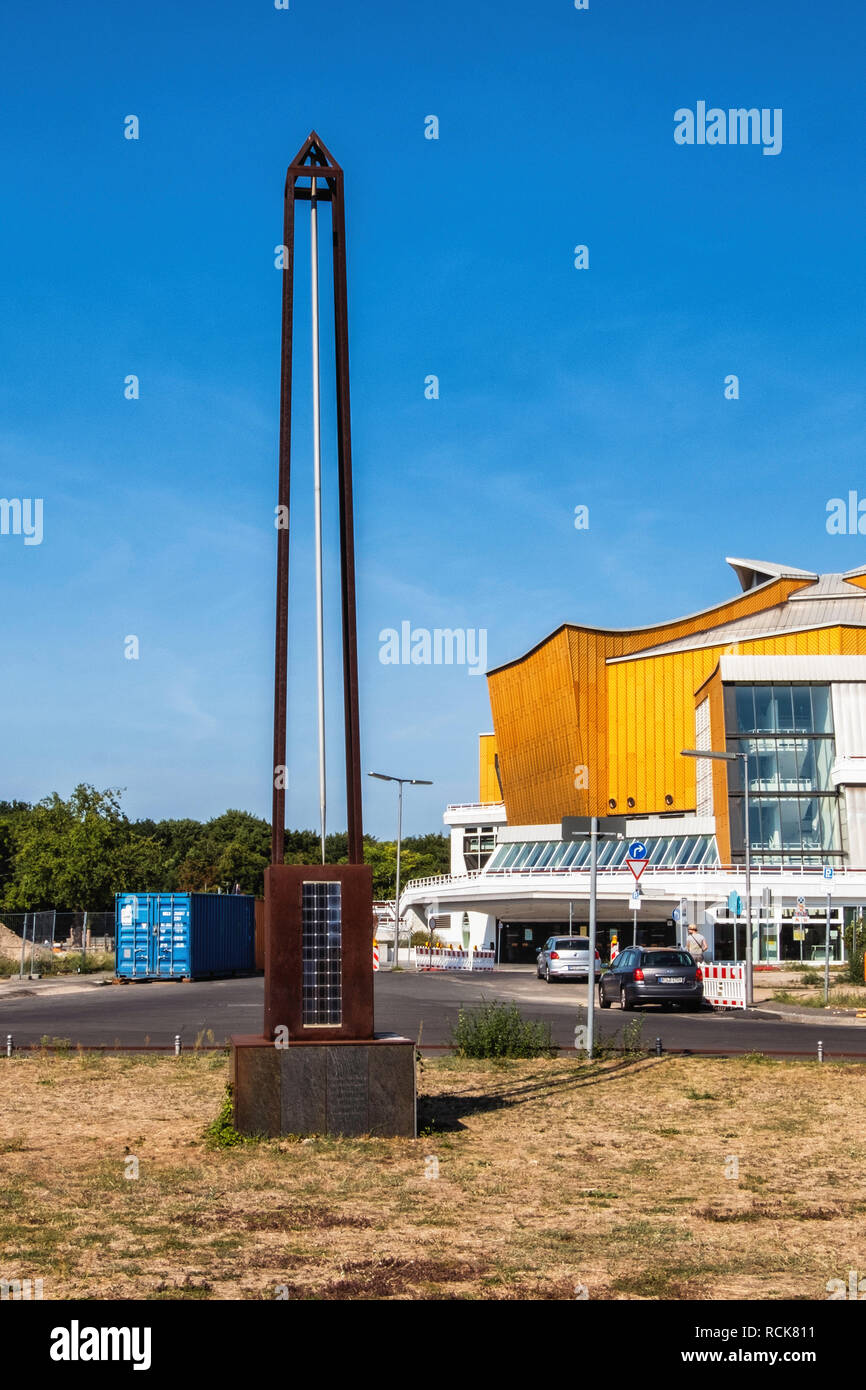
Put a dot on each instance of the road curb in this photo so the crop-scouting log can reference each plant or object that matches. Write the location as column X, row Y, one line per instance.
column 813, row 1016
column 52, row 984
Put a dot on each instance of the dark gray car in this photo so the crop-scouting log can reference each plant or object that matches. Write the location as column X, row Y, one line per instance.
column 652, row 975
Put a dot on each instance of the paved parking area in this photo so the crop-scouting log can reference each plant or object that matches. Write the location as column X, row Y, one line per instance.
column 416, row 1005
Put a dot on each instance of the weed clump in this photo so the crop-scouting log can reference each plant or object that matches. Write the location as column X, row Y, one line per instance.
column 500, row 1030
column 221, row 1132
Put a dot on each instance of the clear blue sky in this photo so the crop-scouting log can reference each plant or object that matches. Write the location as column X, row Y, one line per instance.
column 559, row 387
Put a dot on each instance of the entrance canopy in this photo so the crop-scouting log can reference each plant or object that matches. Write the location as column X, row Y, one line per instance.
column 668, row 851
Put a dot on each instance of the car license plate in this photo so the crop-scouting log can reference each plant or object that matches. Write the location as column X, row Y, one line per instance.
column 672, row 980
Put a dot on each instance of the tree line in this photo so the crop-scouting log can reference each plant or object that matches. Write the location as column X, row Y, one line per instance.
column 75, row 854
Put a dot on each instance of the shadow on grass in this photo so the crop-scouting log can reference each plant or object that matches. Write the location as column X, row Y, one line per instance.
column 443, row 1113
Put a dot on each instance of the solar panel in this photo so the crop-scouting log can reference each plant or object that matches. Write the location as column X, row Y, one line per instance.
column 322, row 954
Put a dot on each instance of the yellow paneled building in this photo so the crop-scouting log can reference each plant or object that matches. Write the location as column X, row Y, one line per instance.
column 593, row 722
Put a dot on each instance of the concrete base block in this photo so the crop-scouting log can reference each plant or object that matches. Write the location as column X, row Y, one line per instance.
column 348, row 1088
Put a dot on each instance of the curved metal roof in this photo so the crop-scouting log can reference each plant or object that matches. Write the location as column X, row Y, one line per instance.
column 826, row 601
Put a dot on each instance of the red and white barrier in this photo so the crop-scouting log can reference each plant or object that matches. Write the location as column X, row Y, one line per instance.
column 453, row 958
column 724, row 985
column 482, row 960
column 375, row 954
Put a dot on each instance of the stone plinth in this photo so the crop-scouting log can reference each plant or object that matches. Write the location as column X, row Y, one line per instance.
column 339, row 1087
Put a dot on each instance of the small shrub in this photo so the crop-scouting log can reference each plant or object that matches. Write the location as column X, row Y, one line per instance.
column 221, row 1132
column 854, row 969
column 73, row 963
column 604, row 1048
column 500, row 1030
column 632, row 1035
column 424, row 938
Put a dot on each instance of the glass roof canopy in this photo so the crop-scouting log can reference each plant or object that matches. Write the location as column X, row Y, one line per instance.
column 663, row 851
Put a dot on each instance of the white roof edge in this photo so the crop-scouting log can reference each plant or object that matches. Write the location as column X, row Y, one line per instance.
column 493, row 812
column 769, row 569
column 515, row 834
column 668, row 648
column 748, row 666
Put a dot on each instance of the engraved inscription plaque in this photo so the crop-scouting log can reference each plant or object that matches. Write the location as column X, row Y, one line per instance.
column 348, row 1090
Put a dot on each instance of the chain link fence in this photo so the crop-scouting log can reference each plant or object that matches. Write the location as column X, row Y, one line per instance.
column 37, row 938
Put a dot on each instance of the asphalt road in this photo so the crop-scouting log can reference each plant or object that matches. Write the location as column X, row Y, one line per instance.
column 407, row 1003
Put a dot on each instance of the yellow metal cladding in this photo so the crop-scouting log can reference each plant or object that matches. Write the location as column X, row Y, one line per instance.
column 534, row 715
column 574, row 733
column 488, row 785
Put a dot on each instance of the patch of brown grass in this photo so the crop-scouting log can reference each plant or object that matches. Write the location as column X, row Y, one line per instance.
column 551, row 1174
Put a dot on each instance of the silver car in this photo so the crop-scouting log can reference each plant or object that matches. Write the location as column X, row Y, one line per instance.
column 565, row 958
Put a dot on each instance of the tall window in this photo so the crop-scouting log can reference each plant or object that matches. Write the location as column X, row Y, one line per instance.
column 787, row 733
column 479, row 843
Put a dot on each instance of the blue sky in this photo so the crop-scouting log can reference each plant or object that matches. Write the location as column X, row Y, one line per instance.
column 558, row 387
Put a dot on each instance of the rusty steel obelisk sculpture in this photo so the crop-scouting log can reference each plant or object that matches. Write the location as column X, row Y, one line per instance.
column 318, row 1067
column 313, row 156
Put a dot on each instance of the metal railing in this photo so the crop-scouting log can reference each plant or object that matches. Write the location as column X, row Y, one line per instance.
column 715, row 871
column 473, row 805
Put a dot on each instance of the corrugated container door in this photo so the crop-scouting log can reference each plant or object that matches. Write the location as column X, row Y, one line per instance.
column 170, row 935
column 133, row 935
column 222, row 933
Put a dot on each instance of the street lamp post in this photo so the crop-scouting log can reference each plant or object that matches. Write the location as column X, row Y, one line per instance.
column 593, row 923
column 413, row 782
column 730, row 758
column 575, row 827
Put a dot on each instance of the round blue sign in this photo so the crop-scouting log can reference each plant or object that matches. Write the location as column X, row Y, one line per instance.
column 637, row 850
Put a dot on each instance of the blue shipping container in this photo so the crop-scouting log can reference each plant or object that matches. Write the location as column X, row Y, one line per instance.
column 162, row 936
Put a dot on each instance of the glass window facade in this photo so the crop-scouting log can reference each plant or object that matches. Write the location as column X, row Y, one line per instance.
column 786, row 733
column 667, row 851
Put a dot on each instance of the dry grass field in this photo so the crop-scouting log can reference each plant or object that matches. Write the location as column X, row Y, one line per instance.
column 551, row 1175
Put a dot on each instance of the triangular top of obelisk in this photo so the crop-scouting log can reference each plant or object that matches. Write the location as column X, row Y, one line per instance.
column 314, row 151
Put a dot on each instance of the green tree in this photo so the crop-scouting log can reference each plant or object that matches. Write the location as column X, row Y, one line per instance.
column 76, row 854
column 199, row 872
column 424, row 862
column 7, row 855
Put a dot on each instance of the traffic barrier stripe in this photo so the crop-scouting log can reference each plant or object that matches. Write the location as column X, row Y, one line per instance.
column 453, row 958
column 724, row 985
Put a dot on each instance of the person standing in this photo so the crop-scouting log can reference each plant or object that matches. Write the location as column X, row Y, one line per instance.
column 696, row 945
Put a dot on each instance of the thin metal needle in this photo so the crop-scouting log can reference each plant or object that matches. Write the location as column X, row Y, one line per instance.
column 317, row 491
